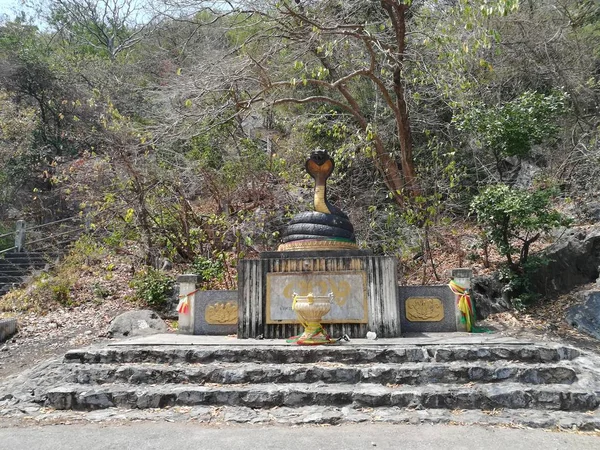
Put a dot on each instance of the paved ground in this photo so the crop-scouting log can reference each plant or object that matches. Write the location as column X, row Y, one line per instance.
column 409, row 339
column 141, row 436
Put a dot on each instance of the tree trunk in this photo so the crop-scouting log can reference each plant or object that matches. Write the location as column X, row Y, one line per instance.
column 397, row 14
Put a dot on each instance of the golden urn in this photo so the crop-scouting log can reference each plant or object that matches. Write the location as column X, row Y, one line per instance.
column 310, row 310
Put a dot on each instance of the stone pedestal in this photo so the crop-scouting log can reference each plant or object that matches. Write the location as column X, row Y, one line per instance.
column 363, row 286
column 187, row 287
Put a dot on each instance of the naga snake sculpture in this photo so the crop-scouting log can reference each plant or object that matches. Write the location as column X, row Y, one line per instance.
column 325, row 228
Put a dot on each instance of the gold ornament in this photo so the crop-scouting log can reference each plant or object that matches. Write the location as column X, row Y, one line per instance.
column 424, row 309
column 221, row 313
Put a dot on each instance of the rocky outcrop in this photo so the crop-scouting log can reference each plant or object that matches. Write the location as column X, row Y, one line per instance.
column 137, row 323
column 586, row 316
column 8, row 327
column 489, row 295
column 572, row 261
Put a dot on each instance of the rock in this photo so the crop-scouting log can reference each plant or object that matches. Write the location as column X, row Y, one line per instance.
column 137, row 323
column 572, row 261
column 592, row 210
column 489, row 296
column 586, row 316
column 519, row 173
column 170, row 310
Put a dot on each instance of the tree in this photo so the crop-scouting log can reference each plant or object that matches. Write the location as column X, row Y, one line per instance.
column 511, row 128
column 353, row 55
column 513, row 219
column 108, row 27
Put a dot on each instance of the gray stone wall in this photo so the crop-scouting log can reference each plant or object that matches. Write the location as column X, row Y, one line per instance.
column 213, row 312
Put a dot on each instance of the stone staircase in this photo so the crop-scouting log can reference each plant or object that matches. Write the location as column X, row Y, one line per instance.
column 548, row 383
column 15, row 266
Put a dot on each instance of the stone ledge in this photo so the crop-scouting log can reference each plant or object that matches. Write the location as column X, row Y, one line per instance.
column 316, row 254
column 8, row 327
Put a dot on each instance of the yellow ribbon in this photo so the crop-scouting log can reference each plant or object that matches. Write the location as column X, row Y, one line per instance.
column 463, row 303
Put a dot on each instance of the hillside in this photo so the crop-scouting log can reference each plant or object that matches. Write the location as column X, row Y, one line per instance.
column 174, row 138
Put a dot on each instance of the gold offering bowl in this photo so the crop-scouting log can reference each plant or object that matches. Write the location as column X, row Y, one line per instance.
column 312, row 307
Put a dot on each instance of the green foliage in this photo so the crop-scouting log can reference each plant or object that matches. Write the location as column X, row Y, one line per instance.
column 511, row 128
column 61, row 290
column 99, row 291
column 204, row 150
column 86, row 251
column 514, row 218
column 208, row 269
column 519, row 286
column 252, row 162
column 7, row 241
column 153, row 287
column 387, row 231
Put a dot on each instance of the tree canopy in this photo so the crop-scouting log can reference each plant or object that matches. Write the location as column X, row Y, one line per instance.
column 183, row 124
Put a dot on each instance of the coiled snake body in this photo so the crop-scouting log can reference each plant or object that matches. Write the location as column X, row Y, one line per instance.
column 327, row 226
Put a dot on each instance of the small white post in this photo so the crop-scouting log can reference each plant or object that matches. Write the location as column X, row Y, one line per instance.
column 20, row 236
column 87, row 219
column 187, row 291
column 463, row 278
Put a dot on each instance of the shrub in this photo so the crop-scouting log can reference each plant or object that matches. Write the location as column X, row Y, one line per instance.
column 208, row 269
column 513, row 219
column 153, row 287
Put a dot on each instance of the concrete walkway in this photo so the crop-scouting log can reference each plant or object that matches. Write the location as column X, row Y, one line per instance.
column 138, row 436
column 408, row 340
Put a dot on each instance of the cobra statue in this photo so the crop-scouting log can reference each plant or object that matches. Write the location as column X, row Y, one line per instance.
column 325, row 228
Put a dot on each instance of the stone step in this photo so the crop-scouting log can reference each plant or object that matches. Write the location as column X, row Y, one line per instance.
column 27, row 258
column 286, row 354
column 12, row 270
column 10, row 278
column 24, row 263
column 384, row 374
column 10, row 255
column 446, row 396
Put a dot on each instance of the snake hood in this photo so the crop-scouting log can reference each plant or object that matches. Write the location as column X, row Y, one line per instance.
column 320, row 166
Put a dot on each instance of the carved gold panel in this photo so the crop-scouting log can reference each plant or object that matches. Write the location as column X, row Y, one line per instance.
column 349, row 290
column 221, row 313
column 424, row 309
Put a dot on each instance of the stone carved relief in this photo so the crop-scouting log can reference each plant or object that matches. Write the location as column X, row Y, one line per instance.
column 221, row 313
column 424, row 309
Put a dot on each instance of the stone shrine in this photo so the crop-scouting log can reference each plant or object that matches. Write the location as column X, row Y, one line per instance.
column 319, row 256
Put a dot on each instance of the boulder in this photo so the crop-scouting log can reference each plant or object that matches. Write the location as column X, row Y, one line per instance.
column 572, row 261
column 592, row 210
column 489, row 296
column 137, row 323
column 519, row 173
column 586, row 316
